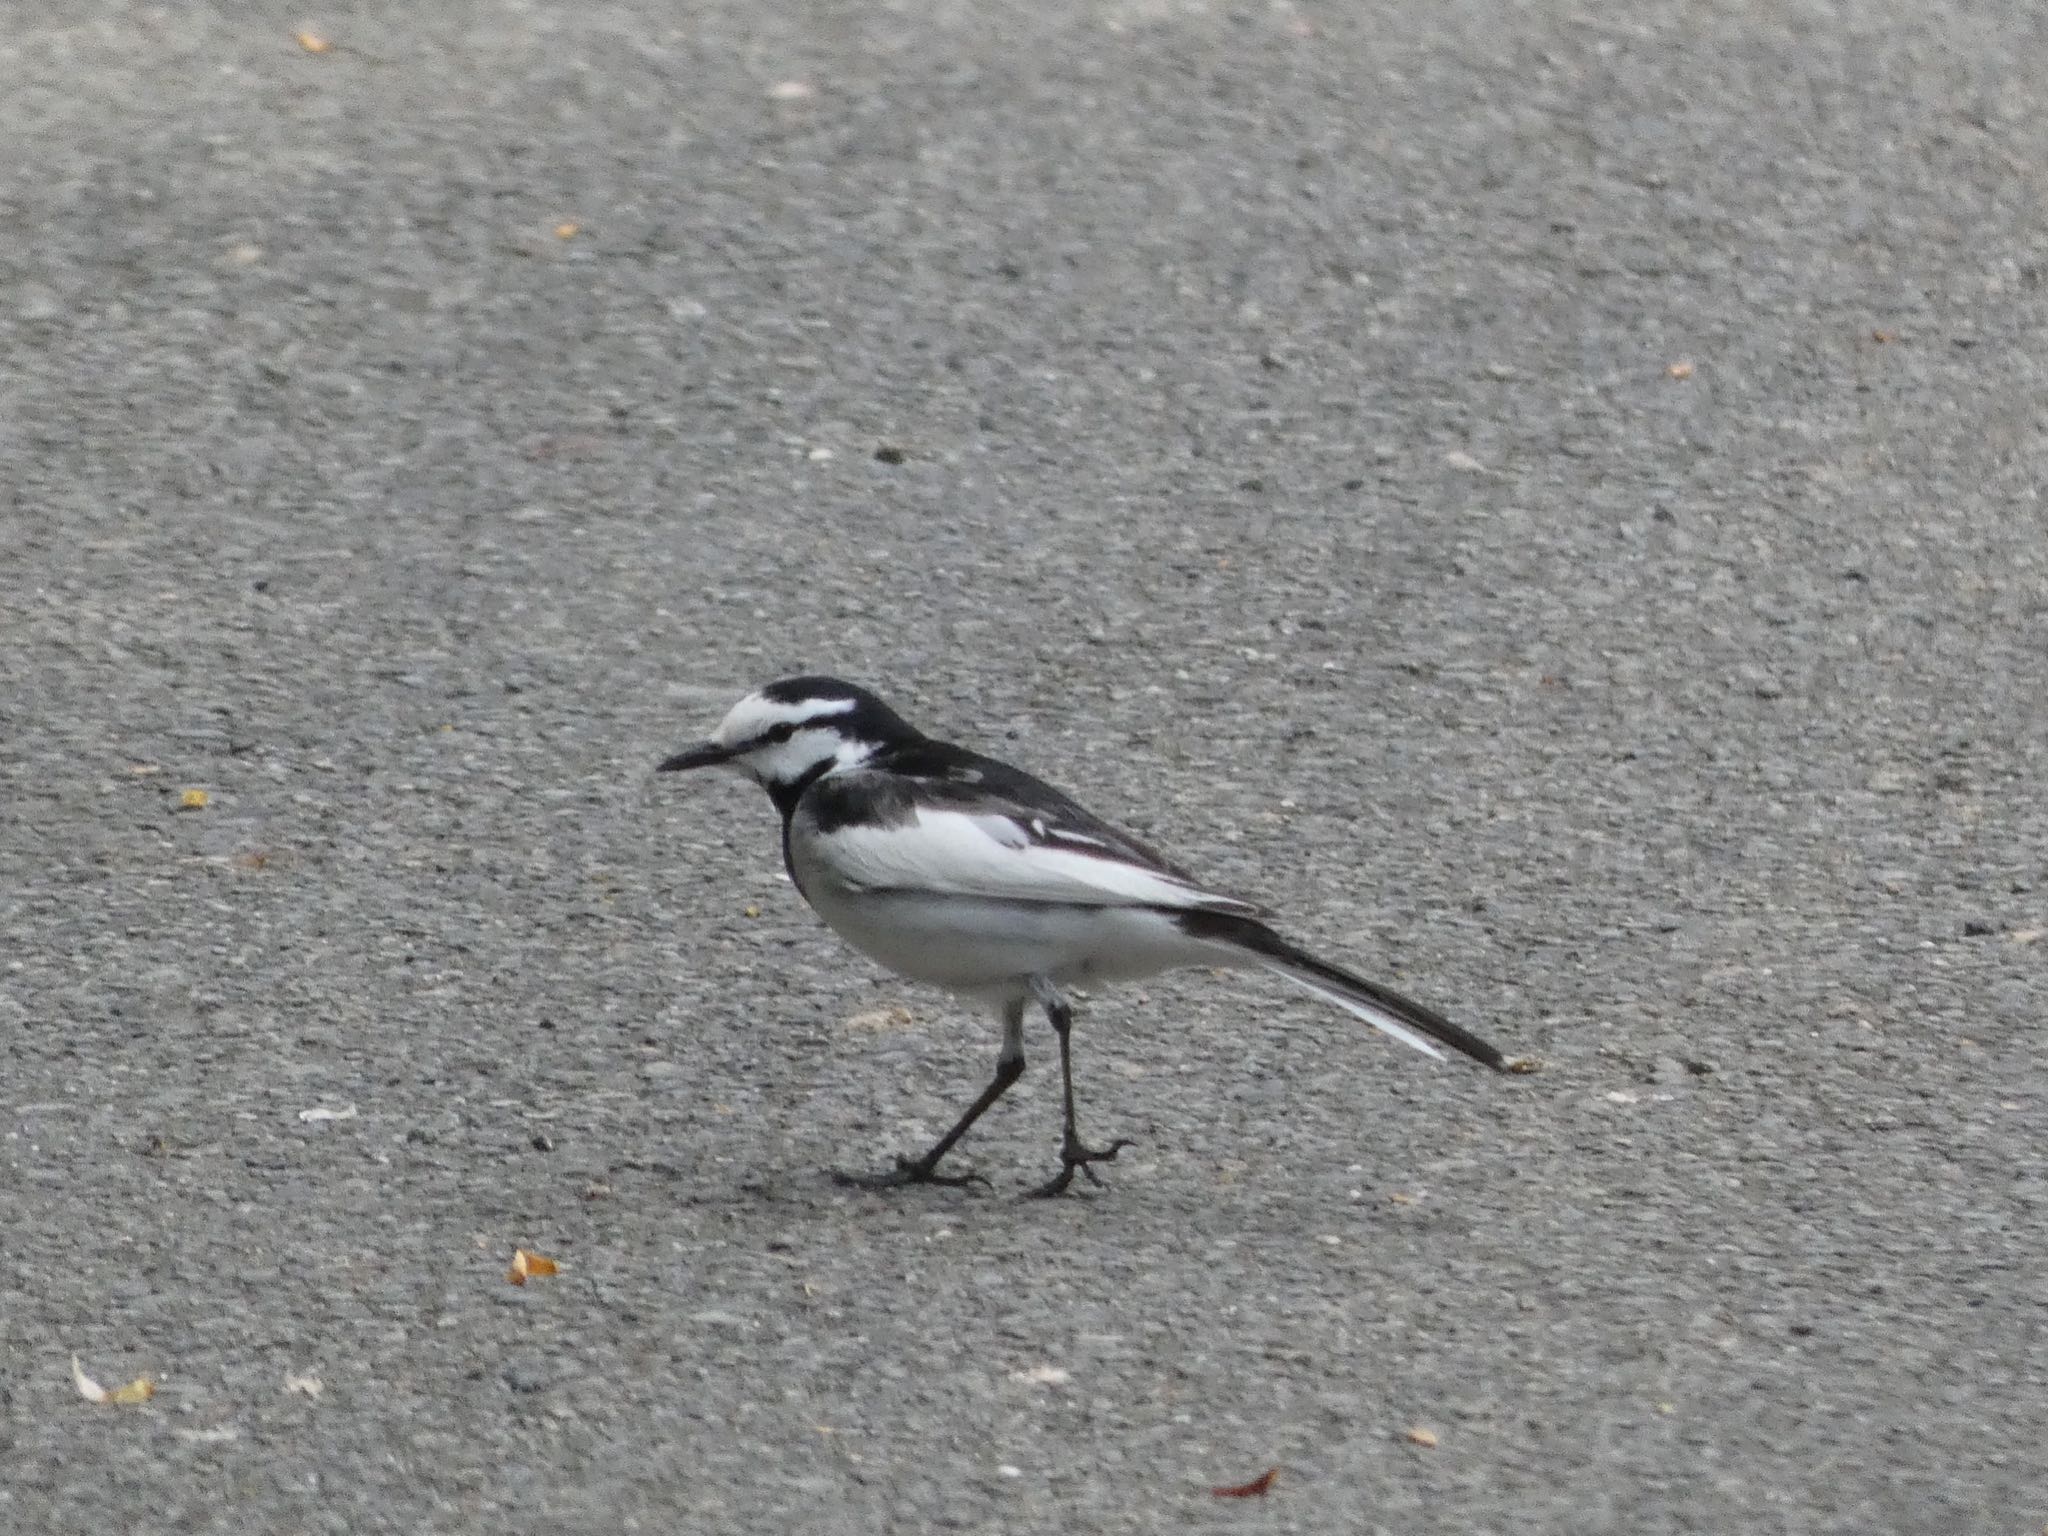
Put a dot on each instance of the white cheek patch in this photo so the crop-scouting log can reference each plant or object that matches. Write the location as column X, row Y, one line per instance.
column 787, row 761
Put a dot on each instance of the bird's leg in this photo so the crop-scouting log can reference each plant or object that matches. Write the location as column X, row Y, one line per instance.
column 1073, row 1154
column 922, row 1170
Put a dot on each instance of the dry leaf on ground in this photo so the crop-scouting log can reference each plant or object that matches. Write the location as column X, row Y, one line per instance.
column 529, row 1266
column 1257, row 1488
column 140, row 1390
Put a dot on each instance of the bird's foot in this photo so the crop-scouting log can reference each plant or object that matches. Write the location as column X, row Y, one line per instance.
column 908, row 1170
column 1072, row 1156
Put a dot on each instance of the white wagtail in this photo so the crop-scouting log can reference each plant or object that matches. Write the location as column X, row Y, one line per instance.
column 956, row 869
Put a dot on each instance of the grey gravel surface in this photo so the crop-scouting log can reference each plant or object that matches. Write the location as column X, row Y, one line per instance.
column 1546, row 495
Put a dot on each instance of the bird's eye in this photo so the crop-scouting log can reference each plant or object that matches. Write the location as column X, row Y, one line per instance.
column 778, row 733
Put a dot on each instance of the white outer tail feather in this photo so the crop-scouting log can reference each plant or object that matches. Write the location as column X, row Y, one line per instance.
column 1375, row 1015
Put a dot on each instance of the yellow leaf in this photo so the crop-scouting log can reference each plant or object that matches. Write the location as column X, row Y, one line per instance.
column 1426, row 1438
column 313, row 42
column 568, row 229
column 529, row 1266
column 193, row 800
column 140, row 1390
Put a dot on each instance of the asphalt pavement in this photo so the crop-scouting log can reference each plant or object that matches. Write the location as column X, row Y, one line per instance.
column 1547, row 496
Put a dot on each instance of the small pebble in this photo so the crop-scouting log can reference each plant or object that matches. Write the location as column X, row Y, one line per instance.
column 525, row 1377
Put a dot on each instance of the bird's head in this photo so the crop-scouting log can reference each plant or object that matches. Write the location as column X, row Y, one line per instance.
column 792, row 732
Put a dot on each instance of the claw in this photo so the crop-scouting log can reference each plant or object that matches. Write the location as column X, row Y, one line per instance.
column 1074, row 1155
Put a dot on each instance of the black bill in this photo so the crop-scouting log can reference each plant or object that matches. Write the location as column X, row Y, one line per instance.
column 709, row 755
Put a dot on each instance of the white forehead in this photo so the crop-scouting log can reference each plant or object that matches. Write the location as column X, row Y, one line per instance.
column 757, row 713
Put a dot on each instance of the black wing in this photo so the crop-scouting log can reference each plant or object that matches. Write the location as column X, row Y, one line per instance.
column 941, row 775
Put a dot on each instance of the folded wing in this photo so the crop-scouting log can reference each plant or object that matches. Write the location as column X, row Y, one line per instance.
column 935, row 843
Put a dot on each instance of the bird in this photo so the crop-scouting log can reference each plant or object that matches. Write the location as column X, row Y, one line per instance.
column 959, row 870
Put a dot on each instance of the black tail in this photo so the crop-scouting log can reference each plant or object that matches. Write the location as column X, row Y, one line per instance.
column 1382, row 1007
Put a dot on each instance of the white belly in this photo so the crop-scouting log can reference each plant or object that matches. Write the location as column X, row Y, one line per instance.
column 989, row 950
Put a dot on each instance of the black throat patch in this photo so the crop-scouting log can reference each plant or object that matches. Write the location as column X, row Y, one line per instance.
column 785, row 797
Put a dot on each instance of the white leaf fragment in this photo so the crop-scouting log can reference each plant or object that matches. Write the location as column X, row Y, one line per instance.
column 322, row 1112
column 88, row 1389
column 1043, row 1376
